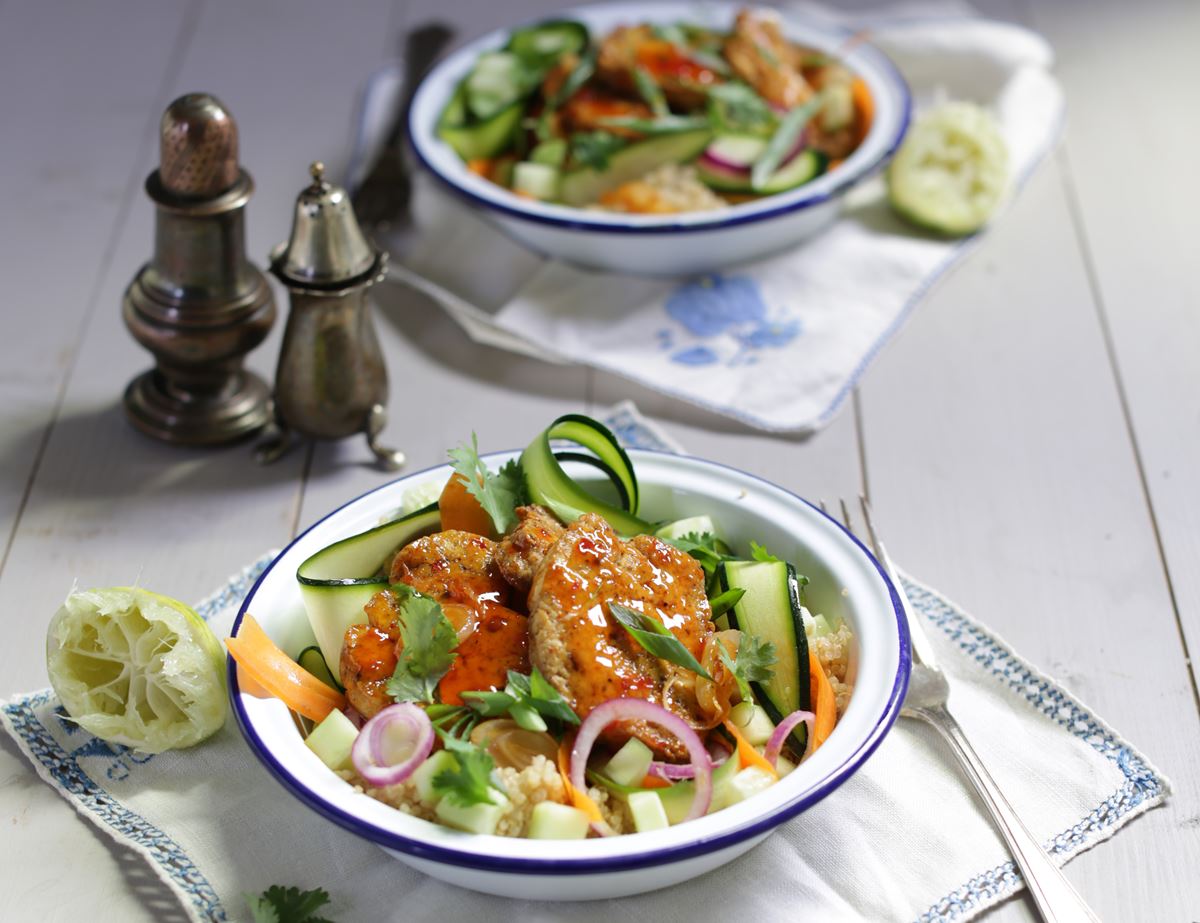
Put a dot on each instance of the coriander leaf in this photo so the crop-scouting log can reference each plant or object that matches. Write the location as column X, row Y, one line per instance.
column 731, row 666
column 593, row 148
column 427, row 653
column 498, row 494
column 470, row 781
column 287, row 905
column 703, row 547
column 755, row 659
column 759, row 553
column 726, row 601
column 655, row 637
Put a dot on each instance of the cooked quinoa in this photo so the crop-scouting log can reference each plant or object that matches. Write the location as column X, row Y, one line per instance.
column 539, row 781
column 833, row 652
column 664, row 190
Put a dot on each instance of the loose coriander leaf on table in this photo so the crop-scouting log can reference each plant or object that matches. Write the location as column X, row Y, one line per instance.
column 287, row 905
column 655, row 637
column 499, row 494
column 428, row 641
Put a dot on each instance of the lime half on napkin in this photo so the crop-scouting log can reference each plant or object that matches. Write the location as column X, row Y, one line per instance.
column 951, row 172
column 136, row 668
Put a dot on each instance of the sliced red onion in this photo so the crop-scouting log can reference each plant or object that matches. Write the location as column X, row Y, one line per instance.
column 785, row 727
column 641, row 710
column 392, row 744
column 735, row 170
column 355, row 716
column 675, row 772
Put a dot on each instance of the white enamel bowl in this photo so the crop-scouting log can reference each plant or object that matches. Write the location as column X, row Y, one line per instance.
column 846, row 581
column 667, row 245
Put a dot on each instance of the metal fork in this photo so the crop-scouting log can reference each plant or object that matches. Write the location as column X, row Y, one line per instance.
column 382, row 197
column 926, row 699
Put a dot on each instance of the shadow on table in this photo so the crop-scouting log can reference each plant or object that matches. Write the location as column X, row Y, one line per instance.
column 96, row 453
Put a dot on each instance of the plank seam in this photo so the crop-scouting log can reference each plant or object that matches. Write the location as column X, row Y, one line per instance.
column 1093, row 279
column 183, row 37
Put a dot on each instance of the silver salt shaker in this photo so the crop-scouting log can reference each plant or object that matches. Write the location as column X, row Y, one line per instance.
column 331, row 381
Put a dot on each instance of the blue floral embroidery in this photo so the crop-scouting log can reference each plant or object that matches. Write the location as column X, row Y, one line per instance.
column 728, row 307
column 695, row 355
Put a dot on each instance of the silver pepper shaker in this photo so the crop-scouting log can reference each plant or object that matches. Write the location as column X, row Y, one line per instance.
column 331, row 381
column 198, row 305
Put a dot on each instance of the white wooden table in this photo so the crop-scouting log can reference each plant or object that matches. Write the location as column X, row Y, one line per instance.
column 1030, row 441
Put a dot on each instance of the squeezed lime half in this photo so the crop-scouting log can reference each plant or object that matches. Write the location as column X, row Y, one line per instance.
column 951, row 172
column 137, row 668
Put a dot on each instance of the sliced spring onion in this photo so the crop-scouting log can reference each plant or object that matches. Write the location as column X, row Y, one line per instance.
column 642, row 710
column 786, row 726
column 662, row 125
column 650, row 91
column 786, row 136
column 392, row 745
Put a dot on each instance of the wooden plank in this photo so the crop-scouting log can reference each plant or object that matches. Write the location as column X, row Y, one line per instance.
column 68, row 147
column 108, row 505
column 1002, row 473
column 1134, row 190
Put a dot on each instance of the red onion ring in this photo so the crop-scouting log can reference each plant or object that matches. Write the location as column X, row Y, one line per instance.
column 785, row 727
column 404, row 727
column 641, row 710
column 735, row 169
column 676, row 772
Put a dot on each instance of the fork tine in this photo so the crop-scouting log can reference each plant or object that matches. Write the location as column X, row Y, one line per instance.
column 921, row 648
column 846, row 516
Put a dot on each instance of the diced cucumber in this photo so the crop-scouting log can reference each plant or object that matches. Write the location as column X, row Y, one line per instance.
column 586, row 184
column 677, row 798
column 750, row 781
column 819, row 627
column 552, row 153
column 630, row 764
column 753, row 721
column 332, row 740
column 783, row 765
column 425, row 773
column 648, row 812
column 770, row 610
column 553, row 821
column 548, row 40
column 536, row 179
column 741, row 150
column 475, row 818
column 693, row 525
column 497, row 80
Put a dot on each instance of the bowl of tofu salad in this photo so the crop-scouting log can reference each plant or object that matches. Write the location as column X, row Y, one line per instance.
column 571, row 672
column 660, row 138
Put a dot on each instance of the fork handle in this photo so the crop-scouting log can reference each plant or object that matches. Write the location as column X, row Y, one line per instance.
column 1057, row 901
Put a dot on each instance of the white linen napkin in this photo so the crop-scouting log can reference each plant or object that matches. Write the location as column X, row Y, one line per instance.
column 777, row 344
column 902, row 839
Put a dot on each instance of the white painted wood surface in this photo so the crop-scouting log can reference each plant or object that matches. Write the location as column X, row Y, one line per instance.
column 1029, row 440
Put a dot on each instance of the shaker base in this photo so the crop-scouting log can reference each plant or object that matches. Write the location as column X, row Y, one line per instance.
column 197, row 419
